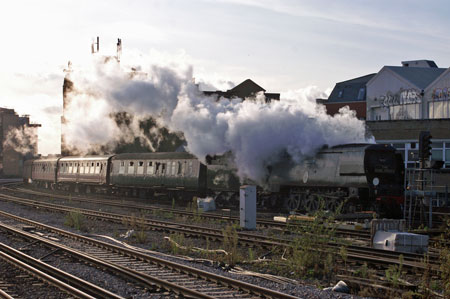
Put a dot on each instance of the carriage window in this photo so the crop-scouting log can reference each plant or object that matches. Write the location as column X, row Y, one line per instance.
column 97, row 169
column 150, row 168
column 122, row 167
column 174, row 167
column 169, row 168
column 157, row 167
column 92, row 168
column 82, row 168
column 70, row 168
column 130, row 167
column 140, row 169
column 189, row 167
column 163, row 168
column 179, row 167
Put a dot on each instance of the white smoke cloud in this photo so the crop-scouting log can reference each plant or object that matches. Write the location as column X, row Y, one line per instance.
column 256, row 132
column 22, row 140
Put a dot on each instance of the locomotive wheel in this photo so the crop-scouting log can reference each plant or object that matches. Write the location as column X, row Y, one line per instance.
column 311, row 203
column 331, row 205
column 292, row 203
column 221, row 201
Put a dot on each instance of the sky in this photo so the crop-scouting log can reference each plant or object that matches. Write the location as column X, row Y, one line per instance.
column 283, row 46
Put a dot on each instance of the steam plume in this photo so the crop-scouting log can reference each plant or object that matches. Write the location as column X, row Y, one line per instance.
column 22, row 140
column 257, row 133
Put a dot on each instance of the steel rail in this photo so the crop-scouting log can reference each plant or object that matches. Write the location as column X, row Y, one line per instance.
column 356, row 253
column 260, row 221
column 5, row 295
column 186, row 229
column 141, row 278
column 29, row 264
column 226, row 281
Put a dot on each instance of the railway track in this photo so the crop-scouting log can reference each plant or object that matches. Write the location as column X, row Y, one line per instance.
column 147, row 270
column 261, row 222
column 41, row 279
column 355, row 253
column 360, row 235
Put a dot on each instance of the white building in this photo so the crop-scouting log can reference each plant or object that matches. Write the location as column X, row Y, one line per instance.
column 404, row 100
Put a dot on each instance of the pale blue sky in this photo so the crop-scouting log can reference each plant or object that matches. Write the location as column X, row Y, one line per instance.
column 281, row 45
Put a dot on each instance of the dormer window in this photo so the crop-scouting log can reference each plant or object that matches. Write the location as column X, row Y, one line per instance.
column 361, row 93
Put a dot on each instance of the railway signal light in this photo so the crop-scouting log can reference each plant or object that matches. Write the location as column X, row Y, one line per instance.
column 425, row 145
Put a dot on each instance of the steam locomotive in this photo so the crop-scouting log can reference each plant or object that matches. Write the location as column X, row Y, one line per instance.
column 360, row 176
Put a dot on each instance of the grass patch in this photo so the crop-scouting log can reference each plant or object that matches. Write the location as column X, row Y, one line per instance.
column 394, row 272
column 76, row 220
column 311, row 257
column 230, row 243
column 137, row 225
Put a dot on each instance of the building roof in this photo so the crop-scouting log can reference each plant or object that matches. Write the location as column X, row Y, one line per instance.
column 348, row 91
column 246, row 89
column 419, row 76
column 419, row 63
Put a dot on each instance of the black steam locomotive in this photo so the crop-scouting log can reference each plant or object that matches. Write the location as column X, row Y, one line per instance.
column 363, row 176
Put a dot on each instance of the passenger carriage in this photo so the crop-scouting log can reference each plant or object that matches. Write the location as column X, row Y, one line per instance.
column 83, row 173
column 149, row 172
column 43, row 172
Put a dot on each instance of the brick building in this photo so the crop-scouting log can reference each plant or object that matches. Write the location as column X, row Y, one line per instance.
column 351, row 93
column 18, row 141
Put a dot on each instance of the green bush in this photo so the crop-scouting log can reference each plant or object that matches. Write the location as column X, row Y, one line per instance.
column 76, row 219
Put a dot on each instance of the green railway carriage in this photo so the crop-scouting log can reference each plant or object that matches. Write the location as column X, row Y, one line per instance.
column 153, row 171
column 85, row 172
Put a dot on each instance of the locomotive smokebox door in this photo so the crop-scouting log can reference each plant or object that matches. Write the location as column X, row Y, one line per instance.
column 248, row 206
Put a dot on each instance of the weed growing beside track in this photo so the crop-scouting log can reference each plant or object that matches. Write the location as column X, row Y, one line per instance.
column 76, row 220
column 445, row 260
column 230, row 242
column 311, row 257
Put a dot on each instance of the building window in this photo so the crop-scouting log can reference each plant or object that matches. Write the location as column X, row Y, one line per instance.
column 361, row 93
column 408, row 111
column 439, row 109
column 341, row 94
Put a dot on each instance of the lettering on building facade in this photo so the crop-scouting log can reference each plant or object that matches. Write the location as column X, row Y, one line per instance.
column 404, row 97
column 441, row 94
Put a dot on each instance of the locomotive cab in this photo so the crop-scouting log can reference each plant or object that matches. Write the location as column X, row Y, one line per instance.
column 385, row 175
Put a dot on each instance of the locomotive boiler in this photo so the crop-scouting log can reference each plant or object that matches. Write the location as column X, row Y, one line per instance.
column 359, row 176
